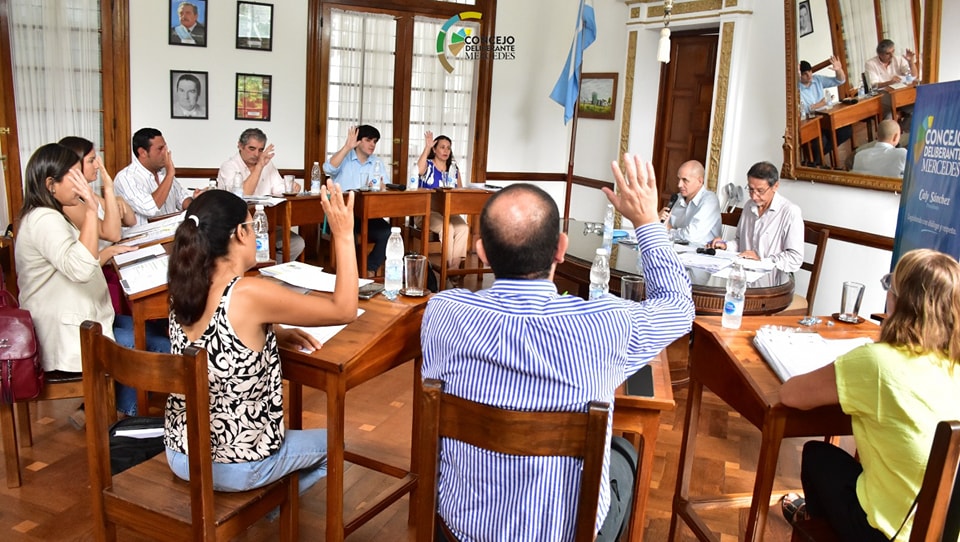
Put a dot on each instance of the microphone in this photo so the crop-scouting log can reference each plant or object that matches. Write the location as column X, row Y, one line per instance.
column 673, row 201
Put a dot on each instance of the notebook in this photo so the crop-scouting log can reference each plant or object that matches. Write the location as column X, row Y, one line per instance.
column 792, row 351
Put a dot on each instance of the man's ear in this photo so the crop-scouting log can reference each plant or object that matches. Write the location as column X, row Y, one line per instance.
column 562, row 244
column 482, row 254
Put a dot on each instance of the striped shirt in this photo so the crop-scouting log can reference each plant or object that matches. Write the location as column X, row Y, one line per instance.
column 136, row 184
column 519, row 345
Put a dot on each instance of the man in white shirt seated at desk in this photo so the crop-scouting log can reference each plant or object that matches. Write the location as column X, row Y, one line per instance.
column 884, row 157
column 886, row 69
column 253, row 163
column 695, row 216
column 140, row 183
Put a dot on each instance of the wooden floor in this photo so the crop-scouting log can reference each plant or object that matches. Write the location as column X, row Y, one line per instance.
column 53, row 504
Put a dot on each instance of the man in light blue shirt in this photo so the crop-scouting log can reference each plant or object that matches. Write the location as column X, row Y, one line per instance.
column 348, row 167
column 695, row 216
column 813, row 96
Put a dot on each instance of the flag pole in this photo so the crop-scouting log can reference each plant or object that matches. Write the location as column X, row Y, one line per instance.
column 576, row 117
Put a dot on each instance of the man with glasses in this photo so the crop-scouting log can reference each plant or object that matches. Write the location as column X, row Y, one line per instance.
column 771, row 227
column 695, row 216
column 885, row 69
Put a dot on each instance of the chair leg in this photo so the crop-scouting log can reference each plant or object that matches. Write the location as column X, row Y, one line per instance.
column 11, row 453
column 24, row 429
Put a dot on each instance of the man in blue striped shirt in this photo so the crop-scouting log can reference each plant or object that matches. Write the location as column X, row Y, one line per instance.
column 520, row 345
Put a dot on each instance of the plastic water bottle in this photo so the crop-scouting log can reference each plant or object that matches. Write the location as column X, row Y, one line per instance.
column 238, row 184
column 376, row 179
column 413, row 181
column 212, row 185
column 394, row 268
column 262, row 230
column 733, row 302
column 599, row 274
column 452, row 175
column 315, row 179
column 608, row 228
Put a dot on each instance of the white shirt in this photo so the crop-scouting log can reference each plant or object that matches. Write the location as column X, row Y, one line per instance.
column 699, row 220
column 270, row 183
column 878, row 73
column 136, row 184
column 776, row 236
column 881, row 159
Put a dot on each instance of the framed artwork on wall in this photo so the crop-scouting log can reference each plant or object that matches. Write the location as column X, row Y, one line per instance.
column 804, row 18
column 188, row 23
column 253, row 96
column 254, row 26
column 598, row 96
column 188, row 94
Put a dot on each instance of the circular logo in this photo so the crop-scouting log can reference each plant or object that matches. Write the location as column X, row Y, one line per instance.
column 457, row 39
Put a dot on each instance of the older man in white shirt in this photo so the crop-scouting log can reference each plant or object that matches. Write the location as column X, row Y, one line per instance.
column 884, row 157
column 695, row 216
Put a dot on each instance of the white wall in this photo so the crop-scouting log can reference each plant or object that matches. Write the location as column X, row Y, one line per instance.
column 207, row 143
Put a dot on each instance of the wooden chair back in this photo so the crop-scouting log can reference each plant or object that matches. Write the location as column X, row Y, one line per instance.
column 148, row 498
column 818, row 238
column 577, row 434
column 937, row 515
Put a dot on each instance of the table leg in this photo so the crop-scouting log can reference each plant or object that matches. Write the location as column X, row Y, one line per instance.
column 833, row 153
column 140, row 343
column 364, row 233
column 685, row 468
column 336, row 399
column 772, row 435
column 444, row 247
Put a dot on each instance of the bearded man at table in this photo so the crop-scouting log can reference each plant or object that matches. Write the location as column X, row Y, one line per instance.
column 520, row 345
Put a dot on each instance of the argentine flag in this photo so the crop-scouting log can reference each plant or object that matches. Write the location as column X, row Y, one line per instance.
column 567, row 89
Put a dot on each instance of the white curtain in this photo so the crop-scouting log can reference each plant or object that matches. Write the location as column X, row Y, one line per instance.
column 56, row 71
column 441, row 102
column 361, row 77
column 859, row 35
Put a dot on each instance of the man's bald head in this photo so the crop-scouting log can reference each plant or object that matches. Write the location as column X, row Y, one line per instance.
column 690, row 179
column 889, row 132
column 520, row 231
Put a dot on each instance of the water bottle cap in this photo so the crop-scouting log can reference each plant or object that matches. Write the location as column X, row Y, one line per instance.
column 395, row 229
column 601, row 251
column 259, row 207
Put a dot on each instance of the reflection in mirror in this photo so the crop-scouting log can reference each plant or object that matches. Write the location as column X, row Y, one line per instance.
column 815, row 147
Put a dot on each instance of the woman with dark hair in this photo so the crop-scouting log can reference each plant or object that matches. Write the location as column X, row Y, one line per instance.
column 434, row 166
column 896, row 391
column 58, row 266
column 114, row 212
column 215, row 307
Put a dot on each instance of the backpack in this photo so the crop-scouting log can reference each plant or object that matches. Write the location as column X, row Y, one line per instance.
column 21, row 375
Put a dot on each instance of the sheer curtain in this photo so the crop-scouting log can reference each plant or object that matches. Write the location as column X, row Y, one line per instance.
column 859, row 35
column 441, row 102
column 56, row 71
column 361, row 77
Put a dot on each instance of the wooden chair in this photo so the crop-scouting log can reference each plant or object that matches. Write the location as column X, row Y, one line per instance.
column 148, row 498
column 804, row 305
column 937, row 515
column 579, row 434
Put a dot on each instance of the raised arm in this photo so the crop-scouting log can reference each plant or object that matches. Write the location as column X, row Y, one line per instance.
column 337, row 158
column 427, row 145
column 112, row 211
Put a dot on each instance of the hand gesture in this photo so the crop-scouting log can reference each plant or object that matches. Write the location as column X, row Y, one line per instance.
column 352, row 141
column 168, row 163
column 81, row 188
column 835, row 63
column 428, row 139
column 266, row 155
column 339, row 212
column 717, row 243
column 637, row 198
column 909, row 55
column 105, row 177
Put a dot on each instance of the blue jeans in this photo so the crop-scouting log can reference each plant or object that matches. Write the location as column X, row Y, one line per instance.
column 302, row 450
column 157, row 341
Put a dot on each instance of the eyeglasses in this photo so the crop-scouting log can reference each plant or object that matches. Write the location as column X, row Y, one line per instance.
column 241, row 224
column 758, row 192
column 886, row 282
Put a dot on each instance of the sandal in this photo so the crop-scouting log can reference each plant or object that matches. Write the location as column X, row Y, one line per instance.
column 794, row 508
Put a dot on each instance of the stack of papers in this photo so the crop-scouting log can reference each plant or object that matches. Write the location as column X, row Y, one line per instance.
column 150, row 232
column 690, row 258
column 322, row 333
column 304, row 275
column 145, row 274
column 266, row 201
column 791, row 351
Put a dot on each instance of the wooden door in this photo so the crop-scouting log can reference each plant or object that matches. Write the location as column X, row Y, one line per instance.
column 9, row 147
column 683, row 114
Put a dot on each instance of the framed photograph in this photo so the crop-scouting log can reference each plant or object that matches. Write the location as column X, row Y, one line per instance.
column 188, row 94
column 598, row 95
column 188, row 23
column 254, row 26
column 804, row 18
column 253, row 96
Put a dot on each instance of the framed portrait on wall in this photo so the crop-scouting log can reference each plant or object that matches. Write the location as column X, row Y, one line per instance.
column 804, row 18
column 253, row 96
column 598, row 96
column 188, row 23
column 188, row 94
column 254, row 26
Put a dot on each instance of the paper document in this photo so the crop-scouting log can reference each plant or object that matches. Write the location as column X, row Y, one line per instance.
column 151, row 231
column 266, row 201
column 144, row 275
column 139, row 254
column 759, row 265
column 305, row 276
column 323, row 333
column 151, row 432
column 791, row 352
column 704, row 261
column 751, row 274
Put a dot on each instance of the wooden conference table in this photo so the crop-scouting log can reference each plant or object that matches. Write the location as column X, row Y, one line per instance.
column 769, row 294
column 726, row 362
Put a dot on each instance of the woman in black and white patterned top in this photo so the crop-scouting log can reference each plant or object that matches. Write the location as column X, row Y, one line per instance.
column 215, row 307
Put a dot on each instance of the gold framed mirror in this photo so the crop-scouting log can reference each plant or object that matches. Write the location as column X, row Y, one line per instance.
column 792, row 167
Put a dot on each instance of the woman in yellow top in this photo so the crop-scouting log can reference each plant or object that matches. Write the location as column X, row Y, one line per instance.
column 896, row 391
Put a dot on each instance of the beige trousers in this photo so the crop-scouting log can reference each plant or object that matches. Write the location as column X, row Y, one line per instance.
column 457, row 239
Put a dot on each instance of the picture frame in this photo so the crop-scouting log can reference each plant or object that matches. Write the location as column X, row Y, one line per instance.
column 188, row 94
column 253, row 96
column 186, row 28
column 804, row 18
column 598, row 96
column 255, row 26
